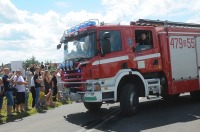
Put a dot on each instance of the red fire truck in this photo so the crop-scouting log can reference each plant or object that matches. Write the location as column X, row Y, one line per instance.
column 107, row 63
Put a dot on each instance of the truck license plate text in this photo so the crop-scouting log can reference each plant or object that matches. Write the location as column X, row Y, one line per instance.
column 179, row 43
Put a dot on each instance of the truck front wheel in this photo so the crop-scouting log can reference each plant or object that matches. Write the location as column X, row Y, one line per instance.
column 92, row 106
column 129, row 100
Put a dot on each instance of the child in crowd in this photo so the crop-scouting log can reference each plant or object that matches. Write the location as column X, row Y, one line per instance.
column 42, row 99
column 45, row 100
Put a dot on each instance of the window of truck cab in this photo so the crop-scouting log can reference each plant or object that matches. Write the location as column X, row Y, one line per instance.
column 81, row 46
column 144, row 40
column 115, row 39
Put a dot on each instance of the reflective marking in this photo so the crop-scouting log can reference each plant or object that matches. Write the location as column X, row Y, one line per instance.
column 110, row 60
column 147, row 56
column 178, row 33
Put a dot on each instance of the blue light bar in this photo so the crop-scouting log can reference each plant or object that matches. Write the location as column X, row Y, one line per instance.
column 89, row 23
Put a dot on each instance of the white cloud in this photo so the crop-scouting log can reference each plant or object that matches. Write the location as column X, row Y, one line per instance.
column 24, row 34
column 10, row 12
column 194, row 19
column 37, row 35
column 134, row 9
column 73, row 18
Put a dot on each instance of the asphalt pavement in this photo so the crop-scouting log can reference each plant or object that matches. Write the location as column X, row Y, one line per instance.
column 182, row 115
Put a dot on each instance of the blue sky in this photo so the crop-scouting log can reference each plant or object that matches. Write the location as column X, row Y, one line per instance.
column 61, row 6
column 34, row 27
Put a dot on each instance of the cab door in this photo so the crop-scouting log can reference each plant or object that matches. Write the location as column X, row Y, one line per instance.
column 110, row 63
column 147, row 56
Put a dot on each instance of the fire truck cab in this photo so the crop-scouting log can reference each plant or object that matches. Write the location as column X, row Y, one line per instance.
column 107, row 63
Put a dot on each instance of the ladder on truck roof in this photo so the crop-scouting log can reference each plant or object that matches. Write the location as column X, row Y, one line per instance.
column 166, row 23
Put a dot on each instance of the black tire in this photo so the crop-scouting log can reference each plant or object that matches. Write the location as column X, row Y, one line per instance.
column 92, row 106
column 129, row 100
column 195, row 95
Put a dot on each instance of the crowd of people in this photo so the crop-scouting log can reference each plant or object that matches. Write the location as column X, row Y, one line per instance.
column 42, row 84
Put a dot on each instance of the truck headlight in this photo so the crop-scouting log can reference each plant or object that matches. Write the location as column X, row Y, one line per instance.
column 90, row 87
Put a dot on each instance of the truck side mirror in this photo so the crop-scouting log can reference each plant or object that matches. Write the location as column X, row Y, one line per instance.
column 105, row 44
column 58, row 46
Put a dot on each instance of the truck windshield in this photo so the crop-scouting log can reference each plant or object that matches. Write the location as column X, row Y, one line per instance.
column 83, row 46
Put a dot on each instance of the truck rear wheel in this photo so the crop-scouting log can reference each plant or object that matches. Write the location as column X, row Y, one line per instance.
column 129, row 100
column 195, row 95
column 92, row 106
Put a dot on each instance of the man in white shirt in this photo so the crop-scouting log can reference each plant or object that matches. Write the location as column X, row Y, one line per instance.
column 21, row 88
column 59, row 79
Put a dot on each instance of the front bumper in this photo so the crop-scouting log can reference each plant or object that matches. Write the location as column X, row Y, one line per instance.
column 90, row 95
column 86, row 97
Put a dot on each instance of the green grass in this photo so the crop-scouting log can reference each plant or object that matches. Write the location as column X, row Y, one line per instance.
column 30, row 111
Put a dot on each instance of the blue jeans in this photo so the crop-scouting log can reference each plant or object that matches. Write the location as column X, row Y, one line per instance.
column 37, row 91
column 9, row 96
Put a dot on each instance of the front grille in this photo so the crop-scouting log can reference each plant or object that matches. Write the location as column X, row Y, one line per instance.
column 73, row 76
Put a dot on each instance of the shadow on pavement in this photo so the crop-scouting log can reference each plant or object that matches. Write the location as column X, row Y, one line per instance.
column 151, row 114
column 18, row 116
column 90, row 119
column 15, row 118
